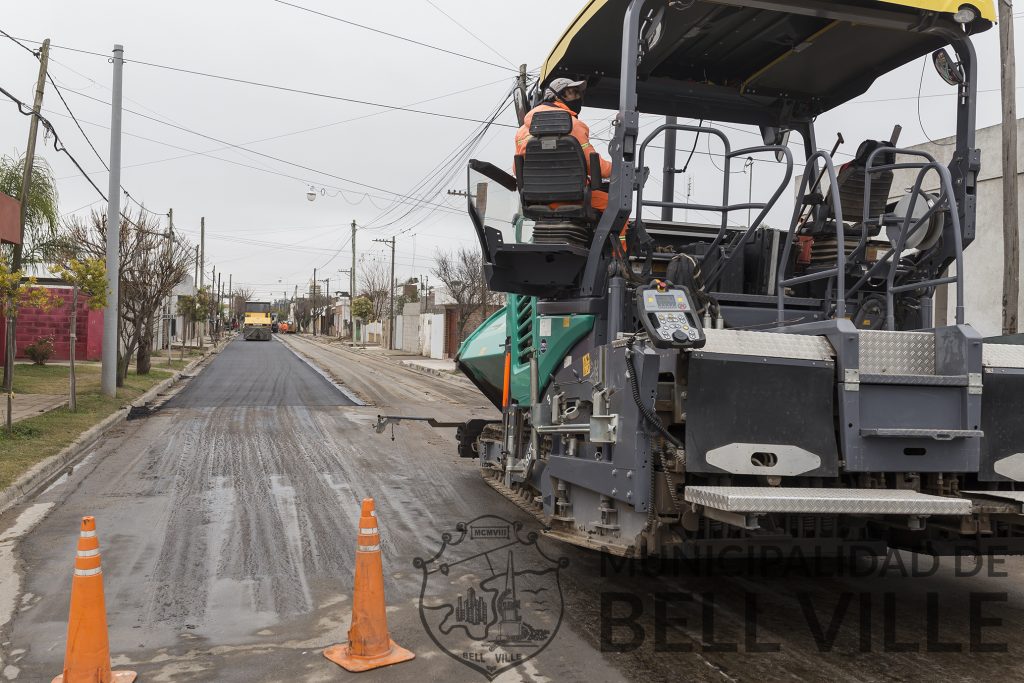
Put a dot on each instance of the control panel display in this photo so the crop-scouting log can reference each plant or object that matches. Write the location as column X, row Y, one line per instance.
column 670, row 318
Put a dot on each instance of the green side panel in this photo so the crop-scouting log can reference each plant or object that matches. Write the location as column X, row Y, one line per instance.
column 555, row 337
column 482, row 356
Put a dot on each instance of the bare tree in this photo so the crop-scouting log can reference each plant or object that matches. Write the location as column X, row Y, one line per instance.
column 375, row 285
column 238, row 304
column 151, row 266
column 303, row 310
column 462, row 274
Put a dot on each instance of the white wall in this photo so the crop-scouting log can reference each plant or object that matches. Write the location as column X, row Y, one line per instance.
column 437, row 336
column 399, row 329
column 983, row 259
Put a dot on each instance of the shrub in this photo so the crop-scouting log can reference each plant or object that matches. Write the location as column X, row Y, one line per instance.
column 40, row 350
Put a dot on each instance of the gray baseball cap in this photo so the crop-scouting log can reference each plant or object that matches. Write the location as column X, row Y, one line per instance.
column 558, row 85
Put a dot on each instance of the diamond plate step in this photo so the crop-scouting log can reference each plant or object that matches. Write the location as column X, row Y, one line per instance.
column 824, row 501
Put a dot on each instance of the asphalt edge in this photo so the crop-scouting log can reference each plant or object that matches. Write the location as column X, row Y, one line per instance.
column 43, row 473
column 345, row 391
column 408, row 364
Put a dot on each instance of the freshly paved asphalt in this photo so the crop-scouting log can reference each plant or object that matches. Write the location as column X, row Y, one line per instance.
column 227, row 521
column 259, row 373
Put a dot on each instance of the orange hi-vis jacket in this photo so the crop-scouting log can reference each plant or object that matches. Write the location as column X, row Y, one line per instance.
column 581, row 132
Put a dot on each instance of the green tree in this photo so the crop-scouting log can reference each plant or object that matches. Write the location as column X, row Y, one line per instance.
column 362, row 308
column 88, row 276
column 18, row 292
column 42, row 216
column 196, row 307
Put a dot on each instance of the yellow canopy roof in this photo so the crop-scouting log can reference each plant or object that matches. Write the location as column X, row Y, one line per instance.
column 715, row 57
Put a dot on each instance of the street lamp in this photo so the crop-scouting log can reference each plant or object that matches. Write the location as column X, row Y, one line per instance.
column 311, row 195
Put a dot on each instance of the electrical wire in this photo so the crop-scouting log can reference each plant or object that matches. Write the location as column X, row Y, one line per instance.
column 256, row 152
column 272, row 86
column 392, row 35
column 58, row 146
column 93, row 147
column 471, row 34
column 920, row 119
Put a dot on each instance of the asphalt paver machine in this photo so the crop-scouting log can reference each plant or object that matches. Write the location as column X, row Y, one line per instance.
column 678, row 387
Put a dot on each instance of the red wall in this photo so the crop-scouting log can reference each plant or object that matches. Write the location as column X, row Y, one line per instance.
column 34, row 323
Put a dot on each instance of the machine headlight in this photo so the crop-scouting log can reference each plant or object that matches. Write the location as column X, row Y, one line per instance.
column 965, row 15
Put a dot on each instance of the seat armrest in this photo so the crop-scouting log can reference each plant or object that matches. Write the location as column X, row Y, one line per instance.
column 595, row 171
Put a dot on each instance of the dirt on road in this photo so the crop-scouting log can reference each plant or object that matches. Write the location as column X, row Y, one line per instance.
column 227, row 521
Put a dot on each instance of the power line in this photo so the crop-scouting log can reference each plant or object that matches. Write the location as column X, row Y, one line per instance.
column 281, row 174
column 297, row 132
column 49, row 127
column 271, row 86
column 471, row 34
column 393, row 35
column 252, row 151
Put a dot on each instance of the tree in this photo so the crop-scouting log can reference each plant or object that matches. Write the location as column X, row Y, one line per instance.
column 41, row 216
column 151, row 267
column 375, row 285
column 238, row 304
column 88, row 276
column 17, row 293
column 303, row 310
column 362, row 308
column 462, row 274
column 194, row 308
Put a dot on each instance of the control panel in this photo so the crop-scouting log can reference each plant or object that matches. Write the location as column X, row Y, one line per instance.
column 669, row 317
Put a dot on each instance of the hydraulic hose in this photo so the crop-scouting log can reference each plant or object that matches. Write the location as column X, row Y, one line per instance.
column 652, row 418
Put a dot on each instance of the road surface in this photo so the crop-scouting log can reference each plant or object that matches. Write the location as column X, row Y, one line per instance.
column 227, row 523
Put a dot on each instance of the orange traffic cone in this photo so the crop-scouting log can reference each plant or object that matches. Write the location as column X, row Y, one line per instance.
column 87, row 655
column 369, row 644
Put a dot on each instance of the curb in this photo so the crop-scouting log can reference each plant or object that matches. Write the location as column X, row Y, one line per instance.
column 42, row 473
column 413, row 365
column 408, row 364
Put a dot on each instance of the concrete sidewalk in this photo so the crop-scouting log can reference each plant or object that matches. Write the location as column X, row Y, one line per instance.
column 30, row 405
column 442, row 367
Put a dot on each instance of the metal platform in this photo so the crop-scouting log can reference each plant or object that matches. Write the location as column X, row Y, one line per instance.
column 1015, row 498
column 757, row 499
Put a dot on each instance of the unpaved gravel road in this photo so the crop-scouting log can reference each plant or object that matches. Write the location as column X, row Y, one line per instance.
column 227, row 524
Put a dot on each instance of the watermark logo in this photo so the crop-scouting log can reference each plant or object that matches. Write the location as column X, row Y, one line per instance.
column 490, row 597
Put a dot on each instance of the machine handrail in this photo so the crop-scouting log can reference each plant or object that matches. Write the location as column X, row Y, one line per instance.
column 725, row 208
column 837, row 208
column 907, row 229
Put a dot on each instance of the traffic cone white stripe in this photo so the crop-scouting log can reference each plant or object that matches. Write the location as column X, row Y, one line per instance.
column 88, row 572
column 88, row 553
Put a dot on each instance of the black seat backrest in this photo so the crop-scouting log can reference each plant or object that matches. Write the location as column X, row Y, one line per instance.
column 553, row 167
column 851, row 179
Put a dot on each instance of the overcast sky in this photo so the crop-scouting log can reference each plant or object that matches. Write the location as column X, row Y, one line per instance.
column 260, row 226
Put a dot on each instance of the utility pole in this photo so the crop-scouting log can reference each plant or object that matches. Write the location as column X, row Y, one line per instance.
column 352, row 288
column 167, row 301
column 668, row 183
column 202, row 269
column 195, row 282
column 220, row 298
column 26, row 183
column 312, row 304
column 231, row 298
column 1011, row 231
column 391, row 306
column 328, row 309
column 110, row 319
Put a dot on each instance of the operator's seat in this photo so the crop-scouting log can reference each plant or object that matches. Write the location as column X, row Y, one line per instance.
column 850, row 180
column 553, row 183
